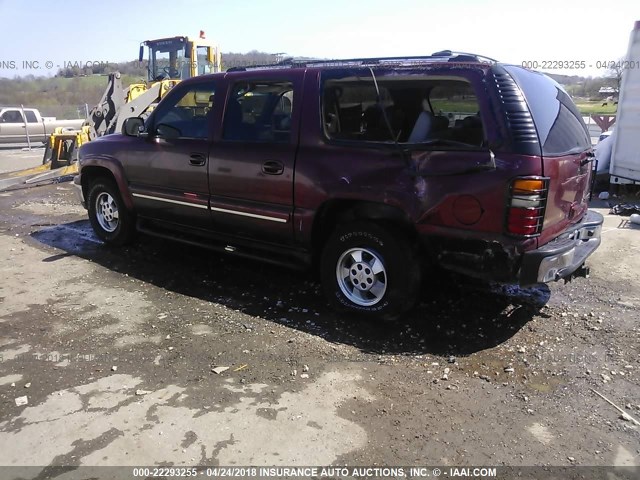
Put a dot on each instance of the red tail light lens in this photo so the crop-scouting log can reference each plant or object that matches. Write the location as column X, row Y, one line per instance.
column 525, row 206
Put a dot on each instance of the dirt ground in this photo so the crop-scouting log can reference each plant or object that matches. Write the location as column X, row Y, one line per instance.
column 116, row 351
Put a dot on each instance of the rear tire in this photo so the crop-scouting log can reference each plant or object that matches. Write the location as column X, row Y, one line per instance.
column 368, row 270
column 109, row 217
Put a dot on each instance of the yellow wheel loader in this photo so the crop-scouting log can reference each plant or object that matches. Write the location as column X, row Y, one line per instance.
column 170, row 60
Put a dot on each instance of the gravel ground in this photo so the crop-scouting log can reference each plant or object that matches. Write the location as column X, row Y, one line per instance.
column 161, row 354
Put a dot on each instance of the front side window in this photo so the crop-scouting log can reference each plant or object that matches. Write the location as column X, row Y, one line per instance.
column 411, row 109
column 187, row 116
column 12, row 116
column 259, row 112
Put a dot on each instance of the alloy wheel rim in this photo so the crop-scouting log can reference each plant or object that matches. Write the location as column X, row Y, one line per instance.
column 107, row 212
column 362, row 276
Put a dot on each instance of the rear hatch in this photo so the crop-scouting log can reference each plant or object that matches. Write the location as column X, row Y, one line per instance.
column 565, row 147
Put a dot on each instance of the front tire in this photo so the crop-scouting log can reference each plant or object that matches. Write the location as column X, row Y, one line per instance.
column 366, row 269
column 109, row 217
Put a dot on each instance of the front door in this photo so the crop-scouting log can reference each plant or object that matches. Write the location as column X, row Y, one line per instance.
column 168, row 170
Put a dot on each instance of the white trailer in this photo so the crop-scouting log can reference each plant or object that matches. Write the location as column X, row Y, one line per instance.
column 625, row 155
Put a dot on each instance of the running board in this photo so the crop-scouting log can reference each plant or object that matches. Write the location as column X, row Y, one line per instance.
column 268, row 253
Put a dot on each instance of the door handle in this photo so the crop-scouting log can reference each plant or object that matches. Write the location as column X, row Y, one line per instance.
column 197, row 159
column 272, row 167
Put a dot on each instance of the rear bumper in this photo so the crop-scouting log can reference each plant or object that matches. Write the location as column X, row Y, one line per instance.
column 77, row 182
column 565, row 254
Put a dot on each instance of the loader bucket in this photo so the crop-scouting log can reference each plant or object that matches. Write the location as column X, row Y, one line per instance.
column 63, row 146
column 59, row 162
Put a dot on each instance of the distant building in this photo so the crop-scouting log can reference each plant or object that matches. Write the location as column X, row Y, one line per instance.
column 608, row 90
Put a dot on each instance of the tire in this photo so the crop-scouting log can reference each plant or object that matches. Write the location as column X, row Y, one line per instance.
column 111, row 220
column 368, row 270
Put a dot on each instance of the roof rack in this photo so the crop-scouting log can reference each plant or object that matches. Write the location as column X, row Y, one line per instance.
column 442, row 56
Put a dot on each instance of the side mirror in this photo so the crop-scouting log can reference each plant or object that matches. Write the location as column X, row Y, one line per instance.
column 133, row 127
column 141, row 53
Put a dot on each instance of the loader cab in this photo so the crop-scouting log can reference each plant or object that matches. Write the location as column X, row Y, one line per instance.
column 179, row 58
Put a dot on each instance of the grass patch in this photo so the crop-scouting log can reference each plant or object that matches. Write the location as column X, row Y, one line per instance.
column 587, row 107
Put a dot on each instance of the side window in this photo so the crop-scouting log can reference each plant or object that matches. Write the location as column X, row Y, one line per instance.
column 12, row 116
column 31, row 116
column 186, row 116
column 352, row 112
column 456, row 113
column 259, row 112
column 203, row 65
column 442, row 111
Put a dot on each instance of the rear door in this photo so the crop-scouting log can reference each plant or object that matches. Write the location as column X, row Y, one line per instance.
column 252, row 162
column 34, row 127
column 566, row 149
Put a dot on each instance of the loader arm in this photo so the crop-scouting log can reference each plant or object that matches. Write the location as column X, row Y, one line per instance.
column 138, row 106
column 102, row 117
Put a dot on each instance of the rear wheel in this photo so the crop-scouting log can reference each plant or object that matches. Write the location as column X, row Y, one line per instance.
column 108, row 215
column 369, row 270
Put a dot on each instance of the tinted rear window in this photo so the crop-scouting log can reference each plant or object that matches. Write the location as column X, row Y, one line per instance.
column 559, row 124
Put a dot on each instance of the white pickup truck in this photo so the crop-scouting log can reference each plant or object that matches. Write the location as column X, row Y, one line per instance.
column 14, row 125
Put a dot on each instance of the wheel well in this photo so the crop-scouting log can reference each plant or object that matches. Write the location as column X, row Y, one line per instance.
column 91, row 174
column 335, row 212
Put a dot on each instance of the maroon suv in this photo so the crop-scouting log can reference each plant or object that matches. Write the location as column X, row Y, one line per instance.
column 377, row 171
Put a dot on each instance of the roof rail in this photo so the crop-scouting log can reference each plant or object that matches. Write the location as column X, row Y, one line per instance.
column 454, row 56
column 444, row 55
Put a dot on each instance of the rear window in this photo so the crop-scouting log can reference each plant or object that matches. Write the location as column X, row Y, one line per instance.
column 558, row 122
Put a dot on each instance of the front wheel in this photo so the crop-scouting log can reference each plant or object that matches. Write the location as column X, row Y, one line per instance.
column 109, row 217
column 369, row 270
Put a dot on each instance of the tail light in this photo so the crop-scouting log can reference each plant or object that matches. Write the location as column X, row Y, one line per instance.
column 525, row 206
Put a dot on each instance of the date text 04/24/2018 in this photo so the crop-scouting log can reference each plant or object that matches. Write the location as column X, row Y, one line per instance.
column 580, row 64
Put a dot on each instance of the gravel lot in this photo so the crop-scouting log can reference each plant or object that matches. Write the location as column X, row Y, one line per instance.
column 164, row 354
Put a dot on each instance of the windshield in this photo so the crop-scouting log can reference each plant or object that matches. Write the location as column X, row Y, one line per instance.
column 167, row 59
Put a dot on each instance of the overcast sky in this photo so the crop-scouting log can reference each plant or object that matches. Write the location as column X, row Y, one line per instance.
column 511, row 31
